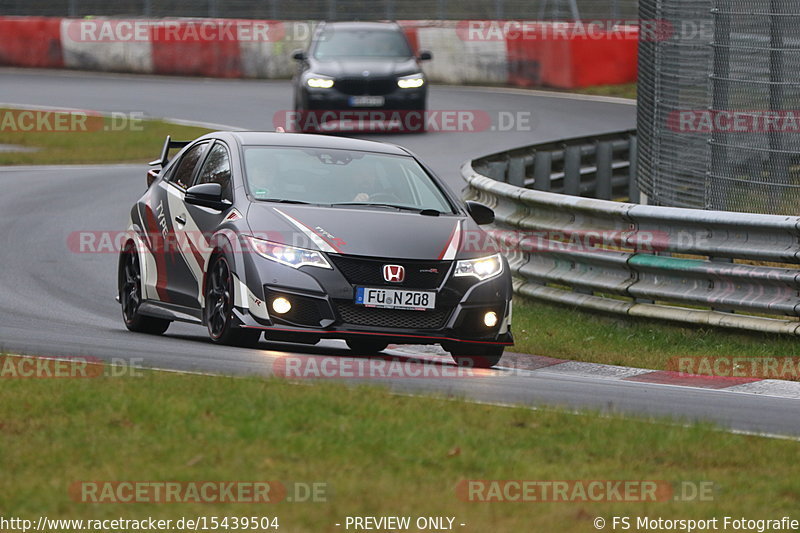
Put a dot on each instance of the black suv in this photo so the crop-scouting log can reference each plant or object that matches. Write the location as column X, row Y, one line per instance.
column 359, row 72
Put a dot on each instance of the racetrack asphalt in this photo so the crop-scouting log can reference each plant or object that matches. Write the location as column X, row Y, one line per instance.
column 55, row 301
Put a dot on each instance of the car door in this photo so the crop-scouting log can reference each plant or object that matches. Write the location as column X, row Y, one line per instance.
column 165, row 204
column 195, row 224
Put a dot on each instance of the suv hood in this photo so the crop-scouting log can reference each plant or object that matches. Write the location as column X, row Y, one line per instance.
column 355, row 68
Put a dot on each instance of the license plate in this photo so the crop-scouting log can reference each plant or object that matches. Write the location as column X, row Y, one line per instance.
column 395, row 298
column 367, row 101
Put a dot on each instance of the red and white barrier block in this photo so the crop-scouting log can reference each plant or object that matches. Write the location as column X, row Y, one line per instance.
column 563, row 55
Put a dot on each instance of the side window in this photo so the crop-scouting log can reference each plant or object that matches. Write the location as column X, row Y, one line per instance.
column 217, row 169
column 182, row 176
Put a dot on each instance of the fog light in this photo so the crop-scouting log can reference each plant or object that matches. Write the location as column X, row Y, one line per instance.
column 490, row 319
column 281, row 305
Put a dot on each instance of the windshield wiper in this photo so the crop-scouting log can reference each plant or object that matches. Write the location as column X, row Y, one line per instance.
column 428, row 212
column 284, row 201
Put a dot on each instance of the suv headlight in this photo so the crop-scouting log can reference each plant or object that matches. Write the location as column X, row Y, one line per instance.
column 482, row 268
column 288, row 255
column 412, row 81
column 319, row 82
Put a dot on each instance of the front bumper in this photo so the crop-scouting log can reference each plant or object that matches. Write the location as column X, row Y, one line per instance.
column 323, row 306
column 333, row 100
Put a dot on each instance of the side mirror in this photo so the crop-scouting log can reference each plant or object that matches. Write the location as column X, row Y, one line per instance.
column 206, row 195
column 299, row 55
column 425, row 55
column 481, row 214
column 152, row 175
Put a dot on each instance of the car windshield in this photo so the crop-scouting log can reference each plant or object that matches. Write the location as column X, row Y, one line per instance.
column 343, row 177
column 337, row 43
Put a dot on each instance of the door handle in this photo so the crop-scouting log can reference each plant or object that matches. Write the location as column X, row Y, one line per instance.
column 180, row 220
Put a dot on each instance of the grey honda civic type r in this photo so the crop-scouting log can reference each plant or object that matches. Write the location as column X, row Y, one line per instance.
column 304, row 237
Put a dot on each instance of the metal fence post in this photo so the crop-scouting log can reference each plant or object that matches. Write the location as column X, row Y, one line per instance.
column 572, row 170
column 633, row 170
column 497, row 170
column 516, row 171
column 542, row 170
column 780, row 174
column 604, row 171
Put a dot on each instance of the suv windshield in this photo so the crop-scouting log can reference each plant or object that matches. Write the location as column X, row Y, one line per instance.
column 337, row 43
column 332, row 176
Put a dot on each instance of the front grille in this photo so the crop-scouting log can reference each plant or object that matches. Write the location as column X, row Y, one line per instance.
column 390, row 318
column 366, row 86
column 419, row 274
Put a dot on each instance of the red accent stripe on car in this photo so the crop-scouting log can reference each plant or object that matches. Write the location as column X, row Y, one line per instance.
column 158, row 248
column 333, row 333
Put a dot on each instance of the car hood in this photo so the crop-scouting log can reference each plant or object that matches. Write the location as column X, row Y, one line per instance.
column 355, row 68
column 364, row 232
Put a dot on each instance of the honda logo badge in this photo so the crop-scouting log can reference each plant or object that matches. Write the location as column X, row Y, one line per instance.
column 394, row 273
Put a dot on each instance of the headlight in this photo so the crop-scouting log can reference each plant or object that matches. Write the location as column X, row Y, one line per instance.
column 319, row 83
column 411, row 82
column 482, row 268
column 288, row 255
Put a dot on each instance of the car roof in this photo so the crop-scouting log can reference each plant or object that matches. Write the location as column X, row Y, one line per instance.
column 301, row 140
column 363, row 25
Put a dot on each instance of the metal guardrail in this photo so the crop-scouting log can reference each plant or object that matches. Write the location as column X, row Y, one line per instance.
column 599, row 166
column 735, row 270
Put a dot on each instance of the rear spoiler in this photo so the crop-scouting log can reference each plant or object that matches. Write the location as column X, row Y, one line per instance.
column 169, row 144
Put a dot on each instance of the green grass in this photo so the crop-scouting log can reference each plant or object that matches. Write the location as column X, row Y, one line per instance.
column 571, row 333
column 627, row 90
column 92, row 141
column 380, row 454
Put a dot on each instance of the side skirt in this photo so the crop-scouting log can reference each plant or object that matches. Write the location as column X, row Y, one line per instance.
column 171, row 312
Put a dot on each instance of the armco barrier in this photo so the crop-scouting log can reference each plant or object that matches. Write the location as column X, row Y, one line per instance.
column 726, row 269
column 178, row 46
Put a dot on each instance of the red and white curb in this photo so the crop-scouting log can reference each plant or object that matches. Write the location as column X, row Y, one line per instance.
column 541, row 365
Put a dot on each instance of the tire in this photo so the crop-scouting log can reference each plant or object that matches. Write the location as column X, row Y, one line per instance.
column 366, row 346
column 130, row 295
column 218, row 312
column 475, row 356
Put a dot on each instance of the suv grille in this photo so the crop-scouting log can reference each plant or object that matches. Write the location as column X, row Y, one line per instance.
column 366, row 86
column 360, row 271
column 390, row 318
